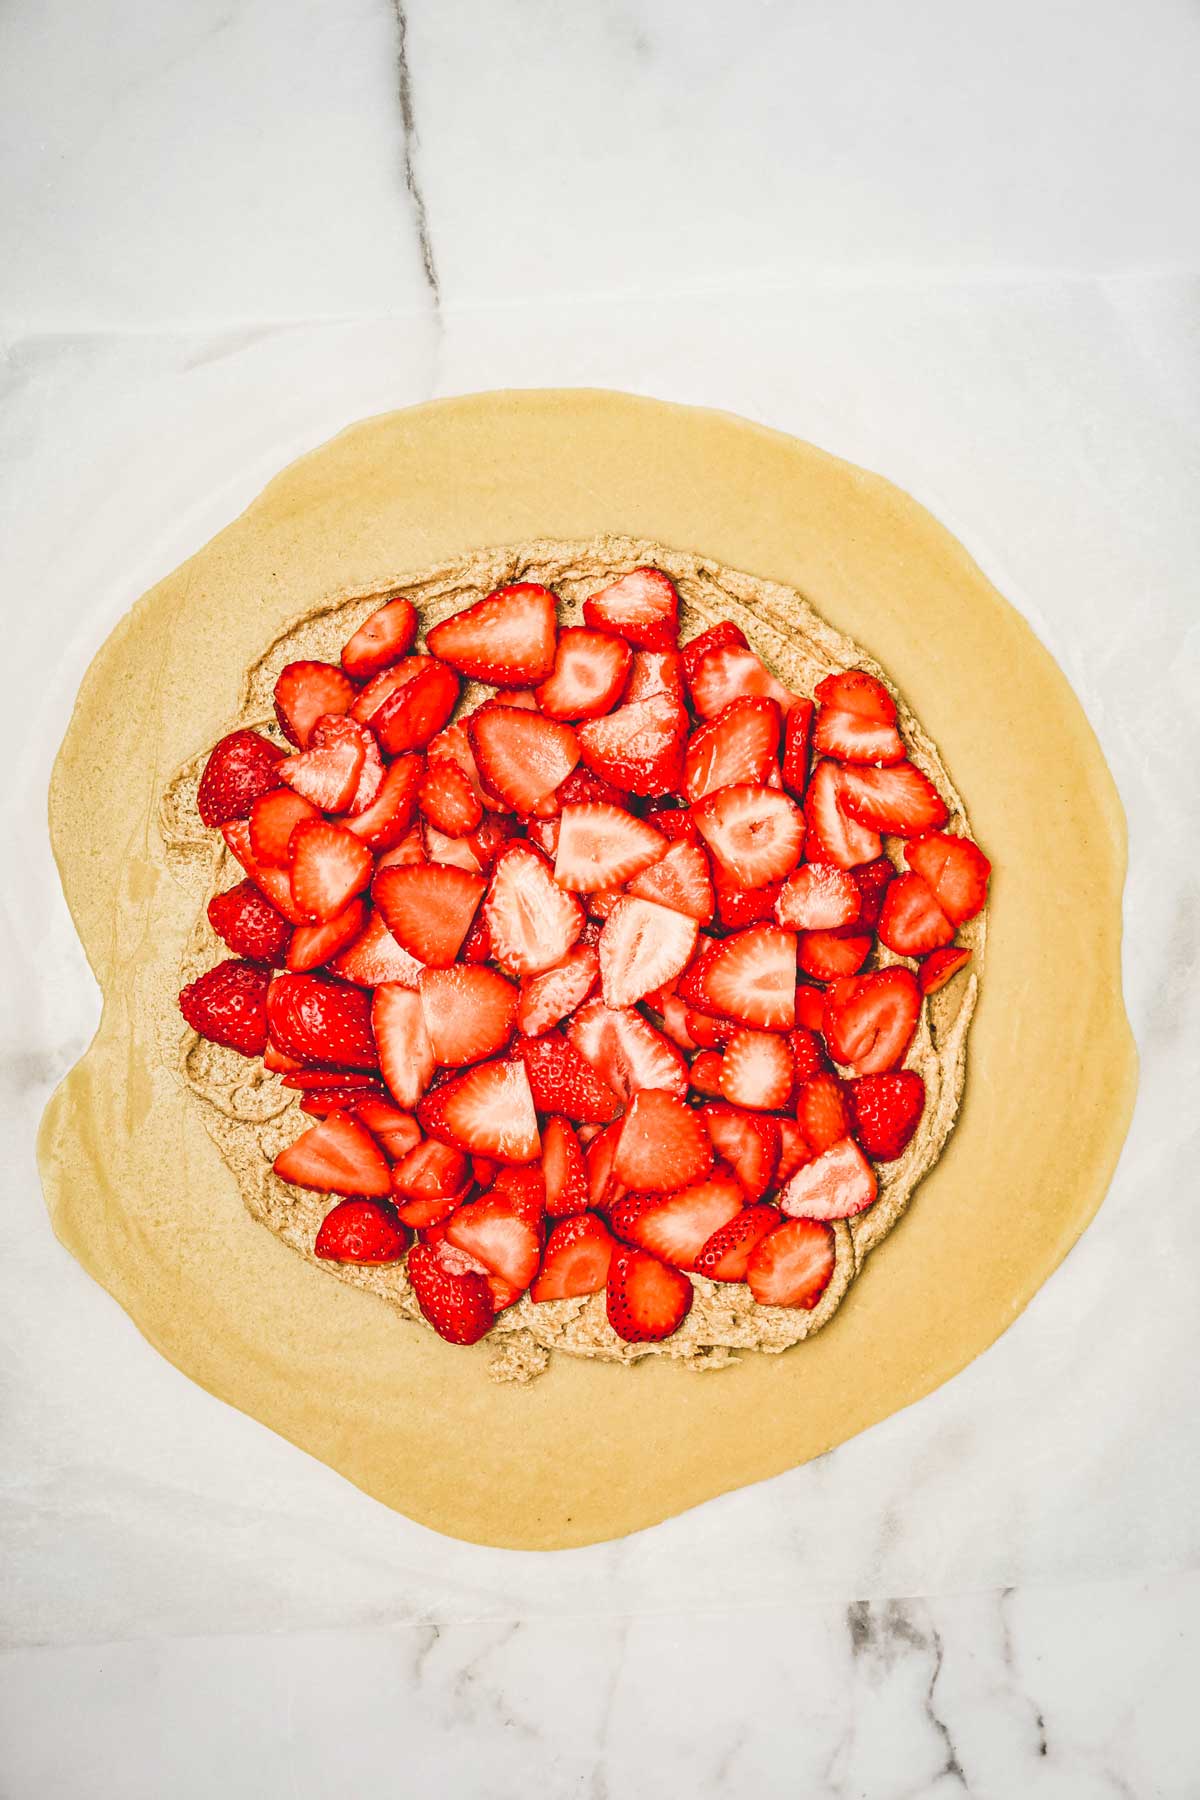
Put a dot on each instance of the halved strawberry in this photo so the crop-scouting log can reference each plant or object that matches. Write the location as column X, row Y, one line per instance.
column 818, row 897
column 390, row 815
column 374, row 957
column 797, row 734
column 469, row 1013
column 677, row 1226
column 739, row 906
column 839, row 1183
column 395, row 1131
column 854, row 690
column 532, row 922
column 408, row 853
column 496, row 1231
column 646, row 1299
column 912, row 923
column 757, row 1070
column 381, row 687
column 709, row 1031
column 936, row 970
column 306, row 692
column 327, row 775
column 872, row 881
column 351, row 1081
column 381, row 639
column 870, row 1020
column 705, row 1074
column 626, row 1051
column 244, row 918
column 793, row 1150
column 590, row 672
column 563, row 1169
column 521, row 756
column 508, row 638
column 730, row 673
column 456, row 852
column 277, row 1062
column 604, row 1190
column 524, row 1186
column 549, row 997
column 810, row 1007
column 663, row 1144
column 272, row 819
column 668, row 814
column 828, row 955
column 755, row 833
column 448, row 800
column 751, row 978
column 322, row 1021
column 957, row 872
column 642, row 947
column 453, row 1296
column 338, row 1156
column 228, row 1005
column 885, row 1110
column 430, row 1171
column 856, row 719
column 329, row 867
column 725, row 1256
column 405, row 1054
column 642, row 607
column 638, row 748
column 312, row 945
column 601, row 846
column 575, row 1261
column 239, row 769
column 808, row 1056
column 361, row 1231
column 487, row 1111
column 792, row 1265
column 721, row 636
column 748, row 1142
column 424, row 1214
column 477, row 945
column 681, row 880
column 414, row 714
column 737, row 748
column 900, row 800
column 822, row 1112
column 428, row 910
column 833, row 836
column 563, row 1082
column 655, row 672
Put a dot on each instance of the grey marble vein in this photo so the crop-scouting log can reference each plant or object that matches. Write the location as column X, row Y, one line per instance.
column 412, row 180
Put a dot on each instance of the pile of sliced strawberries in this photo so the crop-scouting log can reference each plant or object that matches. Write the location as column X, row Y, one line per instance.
column 582, row 988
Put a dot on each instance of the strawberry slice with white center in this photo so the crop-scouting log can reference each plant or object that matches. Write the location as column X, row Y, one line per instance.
column 886, row 1110
column 408, row 853
column 384, row 823
column 856, row 719
column 626, row 1051
column 833, row 836
column 521, row 756
column 456, row 852
column 590, row 672
column 822, row 1112
column 453, row 1295
column 870, row 1020
column 448, row 800
column 792, row 1265
column 415, row 712
column 757, row 1070
column 495, row 1231
column 602, row 846
column 728, row 1250
column 374, row 957
column 381, row 687
column 642, row 607
column 306, row 692
column 430, row 1171
column 957, row 872
column 338, row 1156
column 941, row 967
column 663, row 1144
column 655, row 672
column 733, row 672
column 736, row 749
column 575, row 1261
column 381, row 639
column 677, row 1226
column 548, row 998
column 563, row 1082
column 646, row 1300
column 488, row 1111
column 273, row 818
column 751, row 978
column 642, row 947
column 835, row 1185
column 638, row 748
column 507, row 639
column 755, row 833
column 900, row 800
column 329, row 867
column 469, row 1013
column 327, row 775
column 911, row 922
column 406, row 1057
column 312, row 945
column 429, row 909
column 680, row 880
column 748, row 1142
column 532, row 922
column 818, row 897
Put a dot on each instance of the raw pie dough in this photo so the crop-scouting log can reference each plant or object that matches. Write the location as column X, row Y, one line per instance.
column 140, row 1194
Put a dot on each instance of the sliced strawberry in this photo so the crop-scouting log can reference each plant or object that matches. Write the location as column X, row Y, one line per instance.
column 793, row 1150
column 808, row 1056
column 885, row 1110
column 832, row 835
column 581, row 787
column 733, row 673
column 626, row 1051
column 575, row 1261
column 430, row 1171
column 751, row 978
column 469, row 1013
column 642, row 947
column 454, row 1297
column 705, row 1075
column 415, row 712
column 448, row 800
column 854, row 690
column 709, row 1032
column 563, row 1169
column 228, row 1005
column 493, row 1229
column 604, row 1190
column 739, row 906
column 396, row 1132
column 646, row 1299
column 563, row 1082
column 828, row 955
column 327, row 775
column 338, row 1156
column 424, row 1214
column 870, row 1020
column 856, row 719
column 312, row 945
column 390, row 815
column 602, row 846
column 792, row 1265
column 810, row 1007
column 941, row 967
column 239, row 769
column 276, row 1062
column 329, row 867
column 722, row 636
column 957, row 872
column 488, row 1111
column 489, row 840
column 725, row 1256
column 655, row 672
column 322, row 1021
column 839, row 1183
column 681, row 880
column 642, row 607
column 508, row 638
column 822, row 1112
column 428, row 910
column 532, row 922
column 306, row 692
column 736, row 749
column 361, row 1231
column 408, row 853
column 818, row 897
column 477, row 945
column 663, row 1144
column 757, row 1070
column 637, row 748
column 677, row 1226
column 382, row 639
column 521, row 756
column 273, row 818
column 370, row 781
column 600, row 905
column 755, row 833
column 374, row 957
column 381, row 687
column 590, row 672
column 244, row 918
column 912, row 923
column 872, row 881
column 551, row 996
column 320, row 1102
column 405, row 1053
column 668, row 814
column 797, row 734
column 748, row 1142
column 456, row 853
column 900, row 799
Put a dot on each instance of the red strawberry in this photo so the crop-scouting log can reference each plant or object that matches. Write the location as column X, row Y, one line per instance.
column 751, row 978
column 581, row 787
column 240, row 768
column 856, row 719
column 306, row 692
column 507, row 639
column 388, row 818
column 272, row 819
column 244, row 918
column 563, row 1170
column 827, row 955
column 277, row 1063
column 370, row 781
column 602, row 846
column 428, row 910
column 737, row 748
column 322, row 1021
column 722, row 636
column 424, row 1214
column 416, row 711
column 456, row 853
column 708, row 1031
column 755, row 833
column 663, row 1144
column 361, row 1231
column 818, row 897
column 797, row 733
column 872, row 881
column 469, row 1013
column 274, row 883
column 329, row 867
column 912, row 923
column 395, row 1131
column 870, row 1020
column 680, row 880
column 408, row 853
column 488, row 1111
column 853, row 690
column 405, row 1053
column 228, row 1005
column 590, row 671
column 748, row 1142
column 338, row 1156
column 722, row 675
column 704, row 1075
column 430, row 1171
column 494, row 1230
column 941, row 967
column 328, row 774
column 821, row 1112
column 604, row 1190
column 637, row 748
column 350, row 1081
column 477, row 945
column 739, row 906
column 532, row 922
column 885, row 1110
column 668, row 815
column 312, row 945
column 600, row 905
column 655, row 672
column 521, row 756
column 448, row 800
column 575, row 1261
column 793, row 1150
column 382, row 639
column 562, row 1082
column 792, row 1265
column 725, row 1256
column 757, row 1070
column 808, row 1058
column 900, row 799
column 838, row 1184
column 642, row 947
column 642, row 607
column 957, row 872
column 320, row 1102
column 525, row 1188
column 453, row 1295
column 626, row 1051
column 677, row 1226
column 551, row 996
column 381, row 687
column 833, row 836
column 810, row 1007
column 646, row 1299
column 374, row 957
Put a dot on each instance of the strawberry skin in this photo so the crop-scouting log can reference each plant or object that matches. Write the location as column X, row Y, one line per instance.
column 244, row 918
column 306, row 692
column 757, row 1070
column 911, row 922
column 361, row 1231
column 448, row 800
column 562, row 1082
column 322, row 1021
column 822, row 1112
column 646, row 1300
column 312, row 945
column 228, row 1005
column 725, row 1255
column 240, row 768
column 576, row 1260
column 749, row 1142
column 941, row 967
column 413, row 714
column 384, row 638
column 507, row 639
column 338, row 1156
column 792, row 1265
column 885, row 1110
column 453, row 1295
column 564, row 1171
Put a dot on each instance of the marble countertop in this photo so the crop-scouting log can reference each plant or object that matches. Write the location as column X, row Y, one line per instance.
column 957, row 246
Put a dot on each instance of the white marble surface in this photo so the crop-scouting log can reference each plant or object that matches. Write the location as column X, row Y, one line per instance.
column 954, row 246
